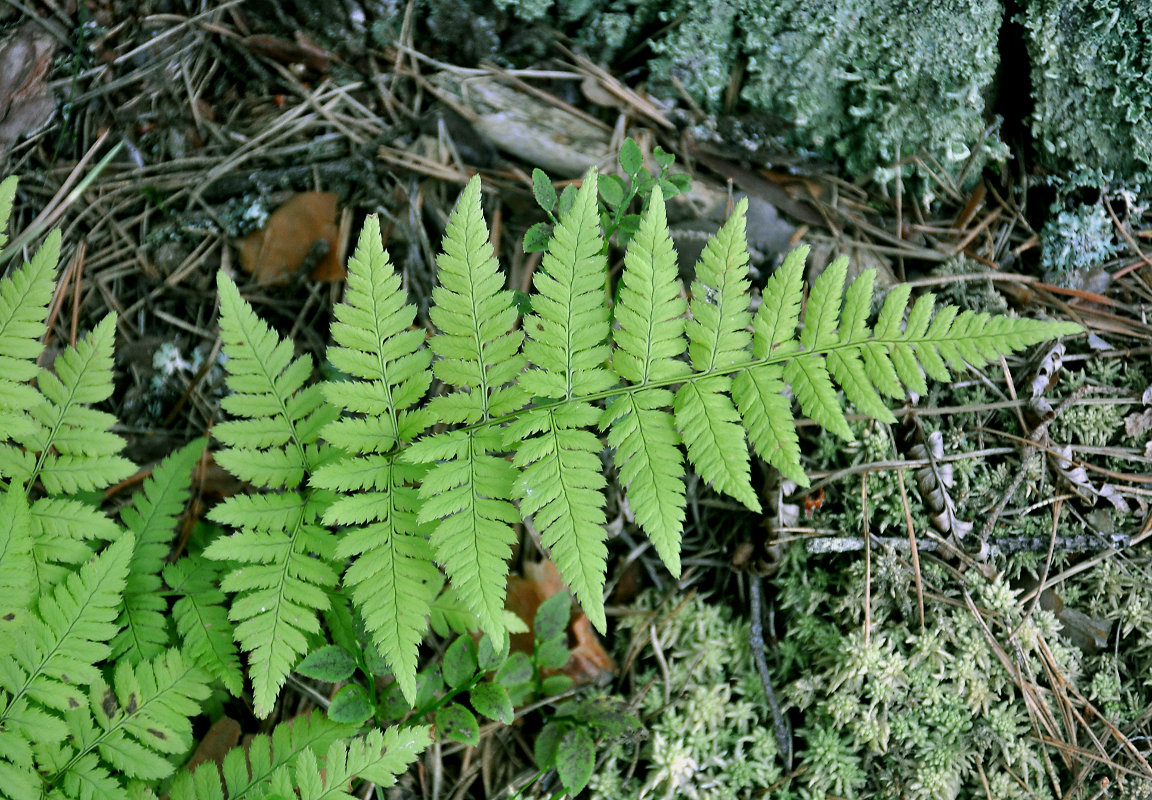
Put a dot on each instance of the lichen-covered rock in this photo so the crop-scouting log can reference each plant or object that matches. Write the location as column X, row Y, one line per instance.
column 868, row 82
column 878, row 82
column 1090, row 65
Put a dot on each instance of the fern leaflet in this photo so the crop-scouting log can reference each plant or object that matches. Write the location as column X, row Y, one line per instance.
column 717, row 338
column 649, row 340
column 561, row 483
column 202, row 621
column 152, row 518
column 248, row 772
column 280, row 584
column 467, row 492
column 392, row 575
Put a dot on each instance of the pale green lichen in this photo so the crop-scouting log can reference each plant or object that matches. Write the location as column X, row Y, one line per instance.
column 1093, row 101
column 879, row 82
column 1077, row 239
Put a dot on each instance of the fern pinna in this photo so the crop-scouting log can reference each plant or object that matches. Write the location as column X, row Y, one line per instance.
column 518, row 431
column 97, row 688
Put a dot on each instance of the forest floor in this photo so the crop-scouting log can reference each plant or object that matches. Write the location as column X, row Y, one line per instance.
column 168, row 146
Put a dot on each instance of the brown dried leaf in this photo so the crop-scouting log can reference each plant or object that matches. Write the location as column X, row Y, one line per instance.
column 589, row 662
column 1072, row 474
column 26, row 102
column 302, row 233
column 220, row 738
column 934, row 482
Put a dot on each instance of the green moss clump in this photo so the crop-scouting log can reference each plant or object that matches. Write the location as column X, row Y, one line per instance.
column 1090, row 64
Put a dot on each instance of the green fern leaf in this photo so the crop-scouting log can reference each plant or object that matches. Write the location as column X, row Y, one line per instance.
column 718, row 338
column 280, row 586
column 649, row 340
column 154, row 703
column 759, row 390
column 377, row 757
column 561, row 483
column 140, row 723
column 76, row 450
column 56, row 652
column 467, row 494
column 392, row 575
column 202, row 621
column 24, row 298
column 152, row 518
column 248, row 772
column 17, row 567
column 283, row 575
column 7, row 196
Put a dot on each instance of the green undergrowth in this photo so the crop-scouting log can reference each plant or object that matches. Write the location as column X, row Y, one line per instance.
column 387, row 498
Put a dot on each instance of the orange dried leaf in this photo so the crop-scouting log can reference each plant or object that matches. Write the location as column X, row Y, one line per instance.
column 589, row 661
column 300, row 233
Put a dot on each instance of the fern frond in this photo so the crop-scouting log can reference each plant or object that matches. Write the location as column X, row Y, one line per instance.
column 140, row 723
column 377, row 757
column 561, row 482
column 7, row 195
column 759, row 392
column 247, row 772
column 283, row 575
column 392, row 575
column 202, row 621
column 77, row 451
column 467, row 494
column 280, row 587
column 649, row 340
column 54, row 655
column 718, row 338
column 152, row 517
column 17, row 567
column 479, row 352
column 24, row 298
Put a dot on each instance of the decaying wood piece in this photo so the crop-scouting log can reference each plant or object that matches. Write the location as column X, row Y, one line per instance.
column 543, row 134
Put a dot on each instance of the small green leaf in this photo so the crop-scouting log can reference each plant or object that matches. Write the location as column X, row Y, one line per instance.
column 392, row 704
column 552, row 616
column 608, row 714
column 488, row 657
column 372, row 658
column 491, row 700
column 555, row 684
column 350, row 704
column 458, row 724
column 330, row 663
column 631, row 159
column 536, row 238
column 567, row 200
column 629, row 225
column 460, row 661
column 574, row 760
column 429, row 684
column 553, row 653
column 662, row 157
column 613, row 190
column 548, row 743
column 341, row 624
column 515, row 671
column 523, row 303
column 543, row 191
column 521, row 693
column 681, row 181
